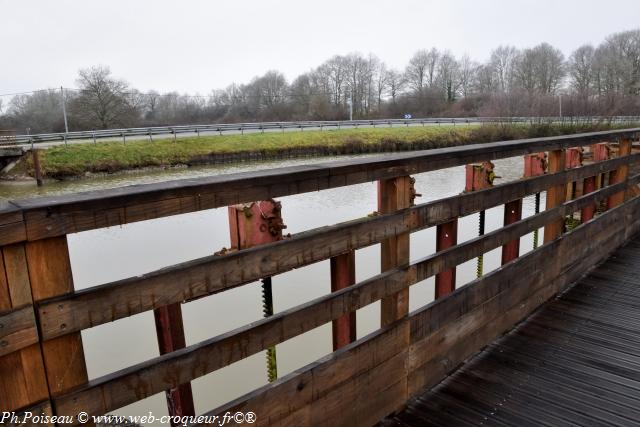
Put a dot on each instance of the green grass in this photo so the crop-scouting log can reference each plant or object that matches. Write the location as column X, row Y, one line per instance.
column 77, row 159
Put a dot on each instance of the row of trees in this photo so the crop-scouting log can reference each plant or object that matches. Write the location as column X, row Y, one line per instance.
column 602, row 80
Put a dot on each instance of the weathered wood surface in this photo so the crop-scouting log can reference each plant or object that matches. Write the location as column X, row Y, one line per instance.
column 619, row 174
column 394, row 195
column 12, row 228
column 555, row 195
column 17, row 329
column 339, row 389
column 22, row 376
column 575, row 361
column 169, row 371
column 59, row 215
column 50, row 274
column 112, row 301
column 444, row 333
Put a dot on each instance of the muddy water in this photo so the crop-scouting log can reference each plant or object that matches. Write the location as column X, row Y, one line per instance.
column 109, row 254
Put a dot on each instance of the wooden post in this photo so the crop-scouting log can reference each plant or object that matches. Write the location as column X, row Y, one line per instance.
column 534, row 165
column 446, row 236
column 50, row 275
column 170, row 332
column 23, row 380
column 479, row 177
column 588, row 186
column 512, row 213
column 37, row 170
column 620, row 174
column 394, row 194
column 573, row 159
column 343, row 274
column 599, row 153
column 555, row 196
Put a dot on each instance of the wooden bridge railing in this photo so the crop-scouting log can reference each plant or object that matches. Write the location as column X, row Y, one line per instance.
column 42, row 366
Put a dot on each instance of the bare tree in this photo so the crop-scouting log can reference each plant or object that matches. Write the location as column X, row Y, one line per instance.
column 416, row 71
column 502, row 64
column 396, row 83
column 448, row 76
column 40, row 112
column 103, row 100
column 382, row 82
column 421, row 70
column 467, row 70
column 581, row 71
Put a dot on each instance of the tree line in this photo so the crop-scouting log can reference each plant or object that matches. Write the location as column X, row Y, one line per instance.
column 594, row 80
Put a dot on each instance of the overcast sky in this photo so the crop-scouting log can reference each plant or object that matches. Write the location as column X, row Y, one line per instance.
column 194, row 46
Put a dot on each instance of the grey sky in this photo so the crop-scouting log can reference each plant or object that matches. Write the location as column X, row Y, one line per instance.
column 195, row 46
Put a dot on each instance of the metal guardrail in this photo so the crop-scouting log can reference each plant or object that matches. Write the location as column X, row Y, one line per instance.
column 262, row 126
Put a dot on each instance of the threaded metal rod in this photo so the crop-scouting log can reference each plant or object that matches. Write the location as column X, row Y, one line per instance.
column 535, row 232
column 480, row 264
column 267, row 309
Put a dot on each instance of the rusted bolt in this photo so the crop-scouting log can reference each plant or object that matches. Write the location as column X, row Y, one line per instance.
column 63, row 326
column 60, row 306
column 4, row 343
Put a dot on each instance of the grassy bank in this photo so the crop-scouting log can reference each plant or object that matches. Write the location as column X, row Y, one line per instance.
column 78, row 159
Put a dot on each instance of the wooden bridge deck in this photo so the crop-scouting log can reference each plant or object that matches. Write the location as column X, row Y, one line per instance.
column 575, row 361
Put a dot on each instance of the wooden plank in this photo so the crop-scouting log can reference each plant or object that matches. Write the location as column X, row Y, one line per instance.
column 394, row 194
column 22, row 376
column 5, row 298
column 12, row 233
column 555, row 195
column 17, row 274
column 619, row 174
column 59, row 215
column 12, row 227
column 50, row 275
column 343, row 275
column 17, row 329
column 292, row 398
column 213, row 274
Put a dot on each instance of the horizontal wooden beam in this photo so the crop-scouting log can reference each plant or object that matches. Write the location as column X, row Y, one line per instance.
column 17, row 329
column 205, row 276
column 12, row 226
column 113, row 391
column 59, row 215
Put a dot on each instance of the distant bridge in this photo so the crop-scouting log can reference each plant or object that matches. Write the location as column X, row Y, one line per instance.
column 574, row 359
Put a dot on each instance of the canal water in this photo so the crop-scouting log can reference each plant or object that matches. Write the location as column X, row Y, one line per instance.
column 105, row 255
